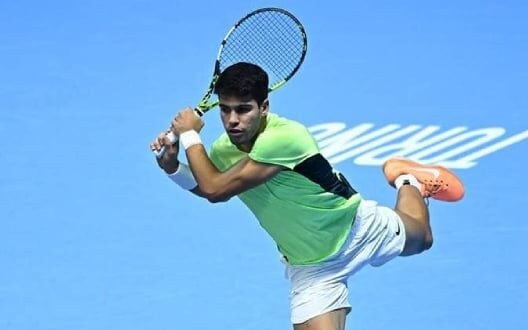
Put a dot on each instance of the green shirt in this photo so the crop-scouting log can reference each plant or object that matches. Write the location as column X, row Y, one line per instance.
column 308, row 223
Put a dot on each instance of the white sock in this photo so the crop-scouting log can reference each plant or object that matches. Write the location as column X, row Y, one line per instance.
column 407, row 179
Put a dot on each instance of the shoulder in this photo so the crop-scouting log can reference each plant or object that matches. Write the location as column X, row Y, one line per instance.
column 276, row 123
column 284, row 142
column 282, row 130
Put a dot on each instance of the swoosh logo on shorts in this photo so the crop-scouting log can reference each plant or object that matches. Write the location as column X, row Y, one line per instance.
column 435, row 173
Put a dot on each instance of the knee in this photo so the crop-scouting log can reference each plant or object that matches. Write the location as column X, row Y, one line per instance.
column 428, row 242
column 422, row 244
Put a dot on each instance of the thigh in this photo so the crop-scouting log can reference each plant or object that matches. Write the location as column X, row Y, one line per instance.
column 334, row 320
column 380, row 236
column 314, row 295
column 376, row 237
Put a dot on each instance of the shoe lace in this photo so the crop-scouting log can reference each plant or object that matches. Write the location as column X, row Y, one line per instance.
column 432, row 187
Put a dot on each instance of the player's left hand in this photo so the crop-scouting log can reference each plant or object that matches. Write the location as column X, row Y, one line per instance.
column 186, row 120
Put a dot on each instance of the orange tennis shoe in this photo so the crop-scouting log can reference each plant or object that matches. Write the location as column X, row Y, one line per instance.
column 437, row 182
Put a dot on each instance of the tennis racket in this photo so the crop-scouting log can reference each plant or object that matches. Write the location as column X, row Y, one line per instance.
column 271, row 38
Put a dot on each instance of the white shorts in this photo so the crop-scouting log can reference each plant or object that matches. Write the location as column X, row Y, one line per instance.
column 376, row 237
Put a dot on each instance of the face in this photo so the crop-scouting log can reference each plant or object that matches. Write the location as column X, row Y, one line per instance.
column 242, row 119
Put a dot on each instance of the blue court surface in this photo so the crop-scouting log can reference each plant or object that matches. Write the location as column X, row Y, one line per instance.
column 93, row 236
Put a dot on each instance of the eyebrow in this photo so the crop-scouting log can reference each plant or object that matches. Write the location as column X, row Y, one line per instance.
column 240, row 105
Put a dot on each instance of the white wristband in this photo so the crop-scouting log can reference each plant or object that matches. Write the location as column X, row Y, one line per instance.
column 190, row 138
column 183, row 177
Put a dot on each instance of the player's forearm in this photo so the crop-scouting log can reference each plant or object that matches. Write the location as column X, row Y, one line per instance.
column 182, row 176
column 208, row 177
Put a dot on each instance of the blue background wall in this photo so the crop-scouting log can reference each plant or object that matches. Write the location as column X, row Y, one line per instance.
column 93, row 236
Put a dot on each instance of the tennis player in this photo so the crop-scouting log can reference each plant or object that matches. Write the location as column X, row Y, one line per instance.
column 322, row 226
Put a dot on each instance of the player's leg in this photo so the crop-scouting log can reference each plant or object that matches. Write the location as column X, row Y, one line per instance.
column 319, row 292
column 414, row 214
column 415, row 182
column 334, row 320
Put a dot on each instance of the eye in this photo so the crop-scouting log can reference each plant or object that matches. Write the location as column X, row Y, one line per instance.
column 244, row 109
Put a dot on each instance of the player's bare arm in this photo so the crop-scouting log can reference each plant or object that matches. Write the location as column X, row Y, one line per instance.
column 213, row 184
column 220, row 186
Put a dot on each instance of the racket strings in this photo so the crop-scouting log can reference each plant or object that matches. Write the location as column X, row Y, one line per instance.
column 278, row 43
column 272, row 40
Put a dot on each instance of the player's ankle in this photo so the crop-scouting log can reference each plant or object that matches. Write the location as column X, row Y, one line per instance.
column 407, row 179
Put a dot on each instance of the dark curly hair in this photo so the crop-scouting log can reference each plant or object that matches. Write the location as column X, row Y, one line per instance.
column 243, row 80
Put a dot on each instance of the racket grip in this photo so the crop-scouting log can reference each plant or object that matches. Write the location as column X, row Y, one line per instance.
column 172, row 138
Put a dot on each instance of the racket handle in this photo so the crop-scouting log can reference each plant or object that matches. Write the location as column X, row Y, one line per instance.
column 173, row 138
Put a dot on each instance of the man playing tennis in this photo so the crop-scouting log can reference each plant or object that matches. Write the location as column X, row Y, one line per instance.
column 323, row 228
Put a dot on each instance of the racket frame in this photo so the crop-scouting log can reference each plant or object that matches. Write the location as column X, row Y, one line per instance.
column 203, row 106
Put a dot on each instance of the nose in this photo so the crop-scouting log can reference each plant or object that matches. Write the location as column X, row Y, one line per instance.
column 233, row 118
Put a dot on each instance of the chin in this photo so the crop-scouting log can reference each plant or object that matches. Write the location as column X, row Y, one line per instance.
column 236, row 141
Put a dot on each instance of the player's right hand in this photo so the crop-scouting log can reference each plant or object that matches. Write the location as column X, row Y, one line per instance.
column 169, row 161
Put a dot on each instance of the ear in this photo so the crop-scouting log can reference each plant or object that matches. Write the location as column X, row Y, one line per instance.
column 264, row 108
